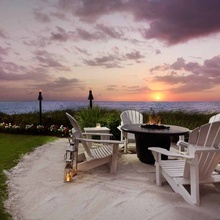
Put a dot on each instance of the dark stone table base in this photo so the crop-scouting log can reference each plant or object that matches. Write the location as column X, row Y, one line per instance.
column 144, row 141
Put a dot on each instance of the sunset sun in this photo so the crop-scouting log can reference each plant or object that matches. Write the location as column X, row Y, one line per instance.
column 157, row 97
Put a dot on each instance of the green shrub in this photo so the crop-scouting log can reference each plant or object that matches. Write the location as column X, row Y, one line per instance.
column 107, row 118
column 60, row 124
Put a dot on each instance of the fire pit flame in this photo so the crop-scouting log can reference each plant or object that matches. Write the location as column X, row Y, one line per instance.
column 154, row 122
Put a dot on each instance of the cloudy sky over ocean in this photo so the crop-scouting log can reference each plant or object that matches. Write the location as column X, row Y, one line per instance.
column 124, row 50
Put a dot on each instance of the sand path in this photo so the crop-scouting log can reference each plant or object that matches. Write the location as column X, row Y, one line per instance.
column 37, row 191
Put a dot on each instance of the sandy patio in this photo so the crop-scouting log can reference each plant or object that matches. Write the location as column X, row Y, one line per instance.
column 37, row 191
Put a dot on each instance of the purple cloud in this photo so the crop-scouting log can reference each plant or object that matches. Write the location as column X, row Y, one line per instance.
column 109, row 61
column 177, row 21
column 11, row 70
column 83, row 34
column 60, row 35
column 60, row 15
column 114, row 60
column 170, row 21
column 83, row 51
column 89, row 10
column 4, row 51
column 134, row 55
column 110, row 31
column 47, row 59
column 191, row 77
column 41, row 17
column 2, row 34
column 78, row 34
column 137, row 89
column 63, row 84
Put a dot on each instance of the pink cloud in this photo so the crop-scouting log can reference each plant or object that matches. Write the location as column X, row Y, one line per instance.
column 108, row 61
column 63, row 84
column 4, row 51
column 134, row 55
column 83, row 51
column 60, row 15
column 2, row 34
column 60, row 35
column 110, row 31
column 191, row 77
column 41, row 17
column 10, row 73
column 47, row 59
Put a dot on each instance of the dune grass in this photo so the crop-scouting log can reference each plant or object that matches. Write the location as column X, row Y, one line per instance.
column 12, row 147
column 89, row 117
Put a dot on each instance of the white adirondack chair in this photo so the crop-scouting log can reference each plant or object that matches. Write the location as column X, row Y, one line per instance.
column 129, row 117
column 182, row 144
column 196, row 167
column 215, row 118
column 105, row 152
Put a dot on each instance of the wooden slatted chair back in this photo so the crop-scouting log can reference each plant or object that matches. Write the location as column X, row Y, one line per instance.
column 77, row 133
column 214, row 118
column 131, row 117
column 209, row 135
column 207, row 162
column 206, row 150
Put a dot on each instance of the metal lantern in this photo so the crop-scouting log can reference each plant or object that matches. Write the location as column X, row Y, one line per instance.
column 69, row 153
column 71, row 157
column 68, row 171
column 74, row 157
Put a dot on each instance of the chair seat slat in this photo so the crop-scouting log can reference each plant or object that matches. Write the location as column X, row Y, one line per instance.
column 102, row 151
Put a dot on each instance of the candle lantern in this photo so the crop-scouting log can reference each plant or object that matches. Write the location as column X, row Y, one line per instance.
column 69, row 153
column 68, row 171
column 71, row 157
column 74, row 157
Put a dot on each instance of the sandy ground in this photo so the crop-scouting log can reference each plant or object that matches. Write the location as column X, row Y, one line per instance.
column 37, row 191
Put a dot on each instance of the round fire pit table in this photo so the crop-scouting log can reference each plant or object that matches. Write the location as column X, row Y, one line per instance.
column 153, row 137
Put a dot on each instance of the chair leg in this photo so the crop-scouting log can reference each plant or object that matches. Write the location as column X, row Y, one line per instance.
column 114, row 161
column 126, row 146
column 157, row 158
column 125, row 138
column 194, row 184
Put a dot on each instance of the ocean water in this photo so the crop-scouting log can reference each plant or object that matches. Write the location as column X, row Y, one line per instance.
column 47, row 106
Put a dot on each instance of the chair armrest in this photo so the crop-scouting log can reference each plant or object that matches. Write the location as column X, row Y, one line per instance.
column 119, row 128
column 98, row 134
column 169, row 153
column 101, row 141
column 182, row 143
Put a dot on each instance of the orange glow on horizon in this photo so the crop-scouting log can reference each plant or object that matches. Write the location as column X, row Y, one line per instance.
column 157, row 97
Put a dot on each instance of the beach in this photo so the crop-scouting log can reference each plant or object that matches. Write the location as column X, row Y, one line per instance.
column 37, row 191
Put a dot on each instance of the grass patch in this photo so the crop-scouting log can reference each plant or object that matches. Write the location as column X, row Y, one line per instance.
column 12, row 147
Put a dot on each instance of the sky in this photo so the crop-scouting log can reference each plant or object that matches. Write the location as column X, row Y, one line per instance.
column 122, row 50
